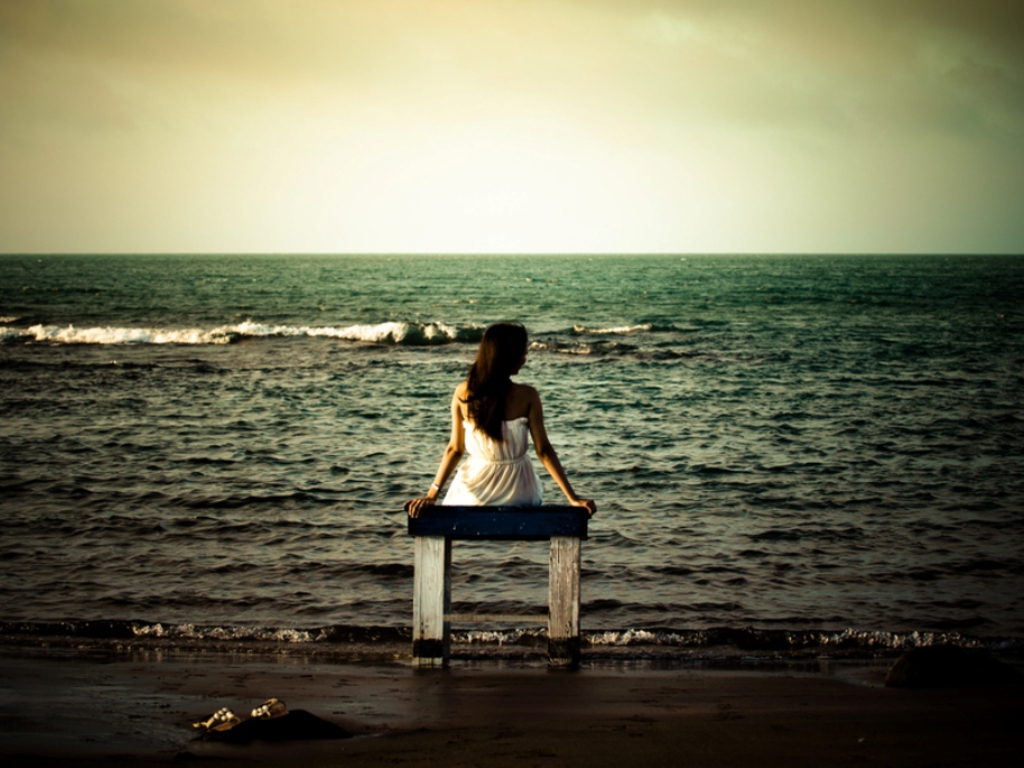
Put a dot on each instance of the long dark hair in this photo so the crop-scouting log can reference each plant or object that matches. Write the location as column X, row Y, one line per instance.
column 499, row 355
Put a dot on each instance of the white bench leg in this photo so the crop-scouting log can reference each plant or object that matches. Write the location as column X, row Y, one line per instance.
column 564, row 602
column 431, row 600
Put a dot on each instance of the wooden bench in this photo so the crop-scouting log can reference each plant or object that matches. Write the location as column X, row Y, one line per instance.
column 435, row 530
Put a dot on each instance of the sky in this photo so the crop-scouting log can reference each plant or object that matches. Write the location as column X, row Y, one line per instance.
column 478, row 126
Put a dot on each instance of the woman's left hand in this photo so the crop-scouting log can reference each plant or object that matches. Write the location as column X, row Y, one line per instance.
column 587, row 504
column 415, row 506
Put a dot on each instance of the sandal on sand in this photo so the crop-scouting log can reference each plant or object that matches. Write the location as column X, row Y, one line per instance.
column 231, row 721
column 270, row 709
column 221, row 720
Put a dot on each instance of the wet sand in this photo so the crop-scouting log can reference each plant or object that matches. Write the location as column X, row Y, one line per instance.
column 81, row 708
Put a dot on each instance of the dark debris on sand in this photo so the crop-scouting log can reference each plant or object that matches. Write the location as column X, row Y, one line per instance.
column 949, row 666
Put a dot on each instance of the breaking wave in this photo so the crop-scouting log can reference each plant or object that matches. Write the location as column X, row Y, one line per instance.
column 722, row 641
column 400, row 333
column 620, row 330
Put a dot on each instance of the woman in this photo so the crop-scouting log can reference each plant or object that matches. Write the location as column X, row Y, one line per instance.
column 493, row 417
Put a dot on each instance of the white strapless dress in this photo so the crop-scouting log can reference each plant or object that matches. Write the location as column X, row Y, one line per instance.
column 496, row 474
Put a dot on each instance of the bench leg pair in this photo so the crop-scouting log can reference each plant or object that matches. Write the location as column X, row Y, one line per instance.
column 431, row 631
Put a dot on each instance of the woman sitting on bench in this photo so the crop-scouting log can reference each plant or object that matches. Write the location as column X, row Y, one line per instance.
column 492, row 418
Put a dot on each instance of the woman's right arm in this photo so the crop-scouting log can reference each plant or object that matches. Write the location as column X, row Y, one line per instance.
column 452, row 455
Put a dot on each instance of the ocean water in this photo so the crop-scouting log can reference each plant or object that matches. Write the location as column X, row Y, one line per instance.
column 802, row 450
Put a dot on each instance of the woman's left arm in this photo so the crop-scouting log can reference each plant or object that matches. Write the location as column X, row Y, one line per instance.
column 452, row 455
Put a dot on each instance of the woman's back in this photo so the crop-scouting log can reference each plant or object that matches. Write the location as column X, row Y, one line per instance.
column 496, row 473
column 517, row 401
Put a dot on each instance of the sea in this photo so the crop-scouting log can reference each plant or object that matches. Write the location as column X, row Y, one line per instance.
column 810, row 454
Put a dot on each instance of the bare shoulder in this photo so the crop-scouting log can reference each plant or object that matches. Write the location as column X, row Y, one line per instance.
column 524, row 391
column 522, row 399
column 459, row 400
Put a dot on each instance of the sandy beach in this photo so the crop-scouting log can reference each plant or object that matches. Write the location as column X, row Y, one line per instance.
column 82, row 707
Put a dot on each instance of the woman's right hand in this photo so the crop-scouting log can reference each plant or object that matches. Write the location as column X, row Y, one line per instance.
column 415, row 506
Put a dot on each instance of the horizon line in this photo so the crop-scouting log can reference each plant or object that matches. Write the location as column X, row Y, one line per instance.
column 496, row 254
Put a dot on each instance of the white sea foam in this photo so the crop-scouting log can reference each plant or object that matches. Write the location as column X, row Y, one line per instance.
column 192, row 632
column 624, row 638
column 381, row 333
column 69, row 334
column 620, row 330
column 871, row 638
column 495, row 637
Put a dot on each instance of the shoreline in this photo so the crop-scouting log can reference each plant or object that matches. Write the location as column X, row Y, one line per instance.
column 88, row 706
column 385, row 643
